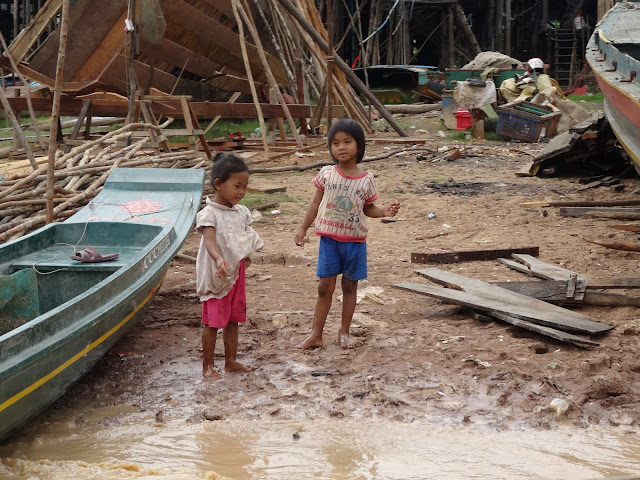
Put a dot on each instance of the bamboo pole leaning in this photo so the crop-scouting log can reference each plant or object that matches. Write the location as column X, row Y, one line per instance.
column 245, row 12
column 55, row 113
column 297, row 15
column 17, row 128
column 247, row 67
column 24, row 81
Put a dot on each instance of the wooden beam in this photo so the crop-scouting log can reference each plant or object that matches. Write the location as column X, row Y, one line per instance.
column 546, row 331
column 533, row 310
column 119, row 108
column 88, row 25
column 30, row 34
column 517, row 305
column 470, row 255
column 111, row 45
column 186, row 25
column 176, row 55
column 585, row 203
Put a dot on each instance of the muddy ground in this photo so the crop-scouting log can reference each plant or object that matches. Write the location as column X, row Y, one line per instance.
column 419, row 359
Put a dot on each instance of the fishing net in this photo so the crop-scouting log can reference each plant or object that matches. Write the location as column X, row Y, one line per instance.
column 18, row 299
column 152, row 22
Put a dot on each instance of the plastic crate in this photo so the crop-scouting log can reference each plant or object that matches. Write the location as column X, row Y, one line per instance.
column 527, row 122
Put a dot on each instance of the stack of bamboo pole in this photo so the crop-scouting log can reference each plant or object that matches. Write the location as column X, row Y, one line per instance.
column 79, row 176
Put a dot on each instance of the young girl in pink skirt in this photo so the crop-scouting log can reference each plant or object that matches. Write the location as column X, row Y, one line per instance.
column 225, row 251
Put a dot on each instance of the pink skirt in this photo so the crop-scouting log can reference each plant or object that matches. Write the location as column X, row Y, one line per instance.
column 218, row 312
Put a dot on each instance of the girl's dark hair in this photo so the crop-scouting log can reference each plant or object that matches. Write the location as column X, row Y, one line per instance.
column 351, row 128
column 224, row 164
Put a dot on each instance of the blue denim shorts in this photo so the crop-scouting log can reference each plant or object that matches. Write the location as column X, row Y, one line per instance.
column 347, row 258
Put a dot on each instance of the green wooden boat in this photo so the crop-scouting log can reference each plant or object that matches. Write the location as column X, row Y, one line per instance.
column 70, row 312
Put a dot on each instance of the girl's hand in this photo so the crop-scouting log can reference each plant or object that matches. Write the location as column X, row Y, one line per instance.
column 392, row 209
column 222, row 268
column 299, row 237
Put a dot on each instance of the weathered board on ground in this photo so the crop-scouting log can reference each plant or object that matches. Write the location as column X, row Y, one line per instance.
column 494, row 307
column 484, row 296
column 470, row 255
column 549, row 272
column 584, row 211
column 556, row 292
column 549, row 332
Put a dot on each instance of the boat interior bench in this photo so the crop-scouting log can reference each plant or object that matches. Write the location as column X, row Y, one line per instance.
column 53, row 249
column 60, row 278
column 58, row 257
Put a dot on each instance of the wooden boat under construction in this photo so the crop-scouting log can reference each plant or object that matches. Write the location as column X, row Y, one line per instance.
column 179, row 46
column 613, row 52
column 63, row 305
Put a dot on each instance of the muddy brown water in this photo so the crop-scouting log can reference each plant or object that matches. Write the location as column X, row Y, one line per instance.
column 122, row 442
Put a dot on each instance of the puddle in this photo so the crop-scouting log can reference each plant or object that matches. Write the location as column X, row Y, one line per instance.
column 138, row 446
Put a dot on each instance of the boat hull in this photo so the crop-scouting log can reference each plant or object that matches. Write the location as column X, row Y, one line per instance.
column 144, row 215
column 613, row 53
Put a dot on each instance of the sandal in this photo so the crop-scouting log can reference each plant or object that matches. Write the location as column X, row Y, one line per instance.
column 91, row 255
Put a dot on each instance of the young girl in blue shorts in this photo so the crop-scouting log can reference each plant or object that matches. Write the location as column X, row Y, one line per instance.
column 345, row 197
column 225, row 251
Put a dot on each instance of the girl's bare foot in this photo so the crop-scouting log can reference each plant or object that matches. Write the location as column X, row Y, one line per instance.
column 237, row 367
column 209, row 372
column 346, row 342
column 311, row 342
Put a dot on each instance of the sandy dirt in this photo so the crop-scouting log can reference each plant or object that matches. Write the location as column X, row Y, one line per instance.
column 418, row 359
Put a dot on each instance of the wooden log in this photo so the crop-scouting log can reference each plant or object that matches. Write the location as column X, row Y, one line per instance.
column 55, row 112
column 628, row 228
column 628, row 247
column 414, row 109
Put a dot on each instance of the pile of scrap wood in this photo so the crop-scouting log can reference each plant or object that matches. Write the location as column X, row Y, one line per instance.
column 589, row 146
column 533, row 305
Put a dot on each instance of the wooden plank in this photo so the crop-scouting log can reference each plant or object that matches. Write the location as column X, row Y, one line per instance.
column 518, row 305
column 470, row 255
column 187, row 25
column 109, row 47
column 556, row 292
column 28, row 35
column 610, row 283
column 516, row 266
column 585, row 203
column 546, row 331
column 111, row 108
column 175, row 54
column 582, row 211
column 494, row 306
column 559, row 144
column 546, row 270
column 88, row 26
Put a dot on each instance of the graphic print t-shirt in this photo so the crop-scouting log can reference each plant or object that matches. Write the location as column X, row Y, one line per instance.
column 340, row 215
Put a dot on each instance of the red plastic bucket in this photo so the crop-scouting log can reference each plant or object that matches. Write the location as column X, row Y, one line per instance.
column 463, row 118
